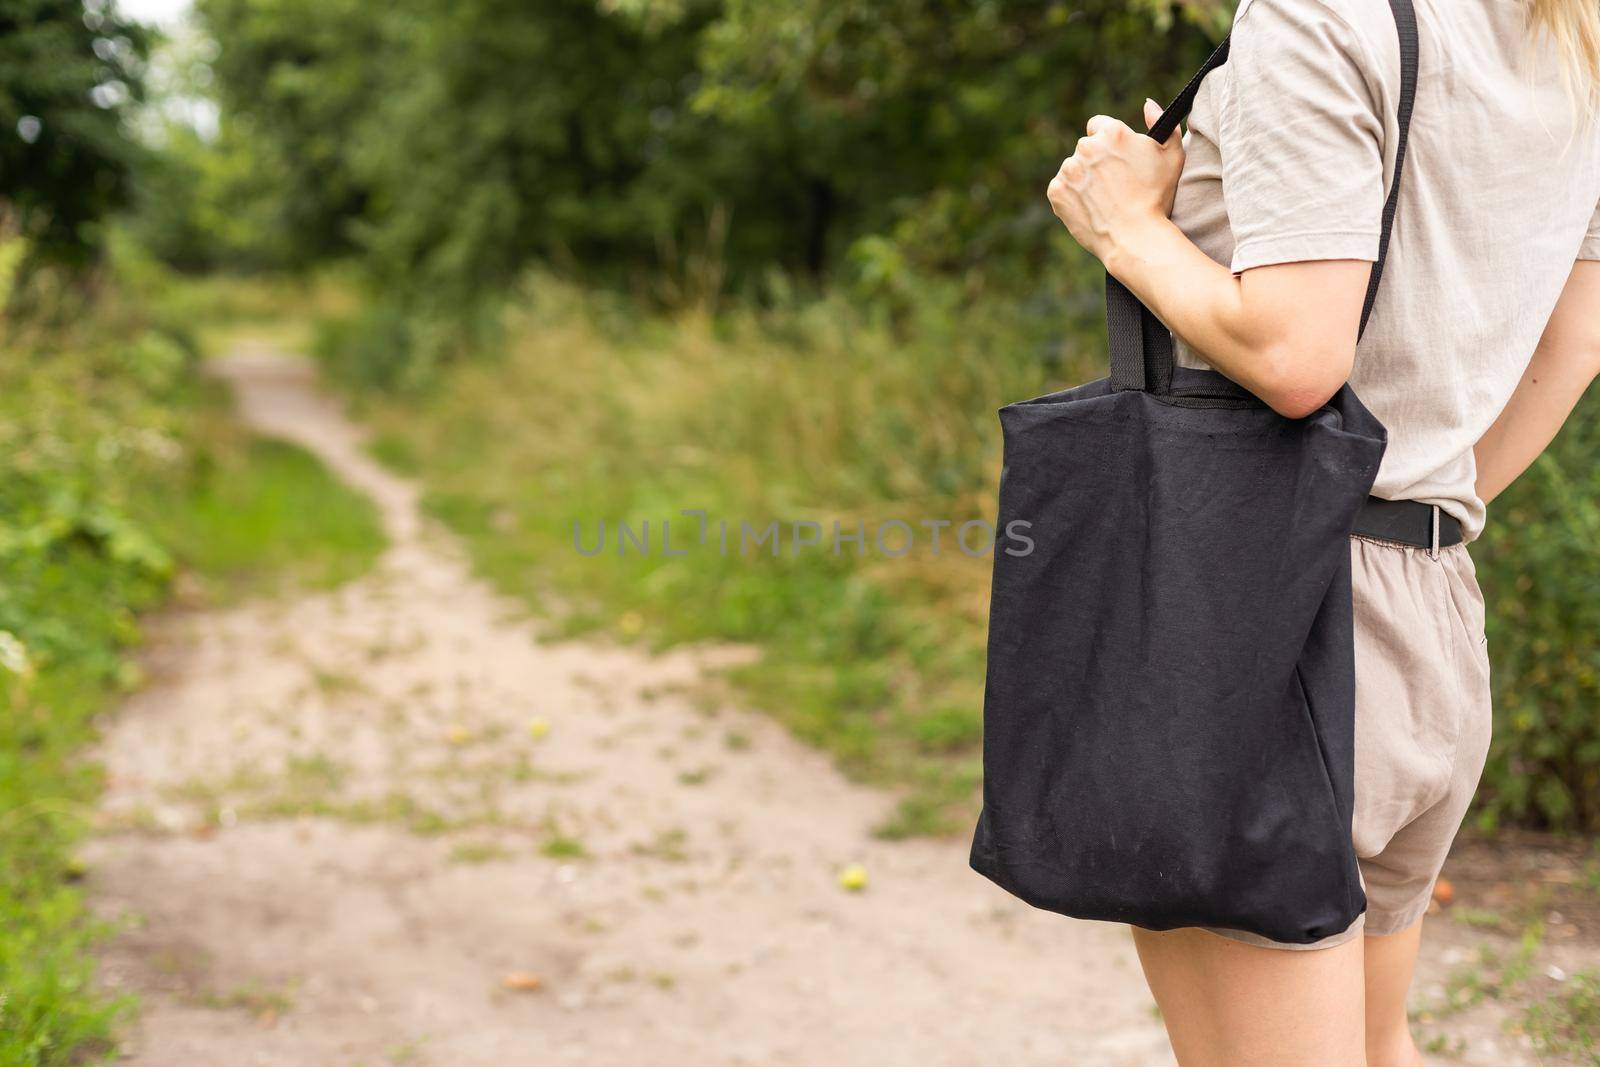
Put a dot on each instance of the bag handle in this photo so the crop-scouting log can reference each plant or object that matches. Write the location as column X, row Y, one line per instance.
column 1141, row 346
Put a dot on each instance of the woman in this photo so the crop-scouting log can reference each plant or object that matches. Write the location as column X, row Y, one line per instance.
column 1252, row 240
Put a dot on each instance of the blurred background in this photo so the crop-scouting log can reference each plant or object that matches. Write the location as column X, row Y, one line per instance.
column 324, row 323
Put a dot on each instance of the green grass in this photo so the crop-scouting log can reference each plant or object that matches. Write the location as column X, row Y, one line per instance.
column 1568, row 1022
column 117, row 469
column 808, row 415
column 50, row 1013
column 1559, row 1015
column 560, row 846
column 259, row 515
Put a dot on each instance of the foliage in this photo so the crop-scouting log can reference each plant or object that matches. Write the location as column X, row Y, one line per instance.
column 1541, row 577
column 686, row 149
column 297, row 80
column 86, row 418
column 69, row 73
column 449, row 143
column 83, row 419
column 934, row 124
column 114, row 468
column 198, row 205
column 806, row 413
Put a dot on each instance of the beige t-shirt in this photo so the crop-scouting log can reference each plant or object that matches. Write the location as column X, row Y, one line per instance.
column 1290, row 149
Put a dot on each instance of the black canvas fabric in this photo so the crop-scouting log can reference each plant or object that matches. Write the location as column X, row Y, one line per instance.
column 1169, row 709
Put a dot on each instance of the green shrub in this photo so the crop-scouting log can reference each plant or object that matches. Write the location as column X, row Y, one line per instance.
column 116, row 461
column 1539, row 565
column 84, row 420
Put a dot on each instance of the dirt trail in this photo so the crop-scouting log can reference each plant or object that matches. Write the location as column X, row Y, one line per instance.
column 337, row 824
column 702, row 925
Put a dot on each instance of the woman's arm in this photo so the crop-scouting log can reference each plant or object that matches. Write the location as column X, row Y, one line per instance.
column 1566, row 361
column 1285, row 332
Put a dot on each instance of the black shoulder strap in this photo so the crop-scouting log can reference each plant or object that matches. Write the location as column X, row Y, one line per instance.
column 1141, row 347
column 1405, row 24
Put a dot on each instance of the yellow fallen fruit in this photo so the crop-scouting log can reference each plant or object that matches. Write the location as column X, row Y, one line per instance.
column 457, row 735
column 537, row 728
column 853, row 878
column 522, row 982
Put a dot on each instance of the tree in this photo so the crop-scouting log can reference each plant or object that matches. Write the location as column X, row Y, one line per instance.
column 69, row 73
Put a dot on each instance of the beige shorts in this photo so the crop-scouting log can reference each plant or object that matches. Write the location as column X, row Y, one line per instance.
column 1422, row 724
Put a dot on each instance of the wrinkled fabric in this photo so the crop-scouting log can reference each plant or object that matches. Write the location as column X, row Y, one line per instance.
column 1423, row 723
column 1169, row 706
column 1423, row 718
column 1291, row 146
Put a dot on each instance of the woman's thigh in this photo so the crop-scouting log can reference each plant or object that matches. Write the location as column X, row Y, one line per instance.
column 1230, row 1004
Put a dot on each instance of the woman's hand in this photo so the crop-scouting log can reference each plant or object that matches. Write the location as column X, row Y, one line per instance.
column 1285, row 332
column 1115, row 183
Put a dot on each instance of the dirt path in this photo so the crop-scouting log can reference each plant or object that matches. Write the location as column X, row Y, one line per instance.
column 338, row 825
column 702, row 924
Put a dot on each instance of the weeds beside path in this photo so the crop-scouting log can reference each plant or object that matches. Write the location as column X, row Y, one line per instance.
column 385, row 825
column 115, row 460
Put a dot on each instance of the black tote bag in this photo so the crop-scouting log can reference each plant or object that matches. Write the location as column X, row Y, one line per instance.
column 1169, row 708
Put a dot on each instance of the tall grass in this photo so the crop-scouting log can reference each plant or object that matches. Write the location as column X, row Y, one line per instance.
column 816, row 414
column 117, row 467
column 819, row 412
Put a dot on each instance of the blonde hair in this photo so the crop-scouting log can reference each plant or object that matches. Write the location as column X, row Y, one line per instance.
column 1573, row 27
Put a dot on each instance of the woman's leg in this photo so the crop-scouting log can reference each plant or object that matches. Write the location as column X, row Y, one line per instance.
column 1230, row 1004
column 1390, row 961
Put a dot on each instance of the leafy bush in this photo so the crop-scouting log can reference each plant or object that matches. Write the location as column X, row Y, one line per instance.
column 681, row 148
column 116, row 460
column 1539, row 565
column 81, row 420
column 84, row 420
column 70, row 73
